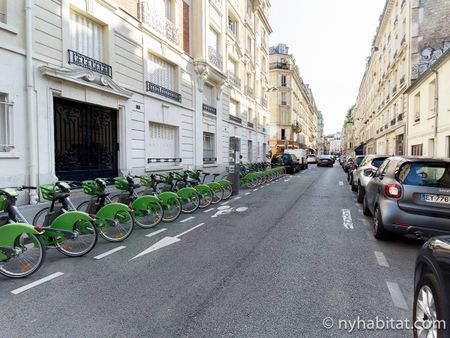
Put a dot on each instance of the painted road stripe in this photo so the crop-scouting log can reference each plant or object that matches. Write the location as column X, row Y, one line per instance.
column 36, row 283
column 154, row 233
column 237, row 198
column 247, row 193
column 187, row 231
column 255, row 189
column 209, row 210
column 110, row 252
column 187, row 219
column 381, row 258
column 341, row 183
column 397, row 295
column 225, row 203
column 347, row 219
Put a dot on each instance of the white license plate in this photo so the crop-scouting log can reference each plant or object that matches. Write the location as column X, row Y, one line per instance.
column 430, row 198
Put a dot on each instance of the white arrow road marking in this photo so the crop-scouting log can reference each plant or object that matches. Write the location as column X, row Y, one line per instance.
column 347, row 218
column 36, row 283
column 187, row 219
column 110, row 252
column 397, row 295
column 222, row 211
column 209, row 210
column 381, row 258
column 166, row 241
column 341, row 183
column 223, row 207
column 154, row 233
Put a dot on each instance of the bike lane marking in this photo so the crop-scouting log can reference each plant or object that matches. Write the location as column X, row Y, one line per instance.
column 381, row 259
column 397, row 295
column 154, row 233
column 341, row 183
column 36, row 283
column 209, row 210
column 110, row 252
column 187, row 219
column 347, row 219
column 247, row 193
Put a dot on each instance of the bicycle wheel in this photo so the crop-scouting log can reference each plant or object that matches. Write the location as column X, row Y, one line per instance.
column 115, row 198
column 172, row 209
column 205, row 198
column 31, row 254
column 217, row 195
column 86, row 235
column 150, row 217
column 117, row 229
column 84, row 206
column 39, row 218
column 189, row 205
column 227, row 191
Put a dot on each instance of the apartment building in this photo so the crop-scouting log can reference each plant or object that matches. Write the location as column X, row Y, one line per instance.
column 294, row 114
column 408, row 28
column 96, row 88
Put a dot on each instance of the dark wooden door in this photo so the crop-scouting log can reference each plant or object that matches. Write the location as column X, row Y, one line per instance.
column 85, row 140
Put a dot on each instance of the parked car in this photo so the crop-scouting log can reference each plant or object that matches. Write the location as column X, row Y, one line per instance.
column 342, row 159
column 363, row 174
column 289, row 161
column 311, row 158
column 348, row 162
column 410, row 195
column 301, row 155
column 432, row 288
column 356, row 162
column 325, row 161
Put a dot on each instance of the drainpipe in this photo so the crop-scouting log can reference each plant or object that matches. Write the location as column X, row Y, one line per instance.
column 30, row 105
column 436, row 110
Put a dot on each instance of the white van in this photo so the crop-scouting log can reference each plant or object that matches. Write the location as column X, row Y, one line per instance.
column 301, row 155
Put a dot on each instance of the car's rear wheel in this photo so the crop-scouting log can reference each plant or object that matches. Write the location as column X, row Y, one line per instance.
column 428, row 308
column 379, row 231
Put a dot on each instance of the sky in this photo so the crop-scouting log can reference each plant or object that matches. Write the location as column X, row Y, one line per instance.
column 330, row 40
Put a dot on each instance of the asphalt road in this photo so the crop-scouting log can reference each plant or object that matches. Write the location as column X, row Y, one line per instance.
column 274, row 262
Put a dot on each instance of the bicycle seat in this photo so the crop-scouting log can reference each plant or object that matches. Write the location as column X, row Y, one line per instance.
column 215, row 175
column 206, row 174
column 60, row 195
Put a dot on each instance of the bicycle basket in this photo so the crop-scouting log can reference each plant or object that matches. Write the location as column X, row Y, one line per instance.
column 47, row 191
column 121, row 183
column 90, row 187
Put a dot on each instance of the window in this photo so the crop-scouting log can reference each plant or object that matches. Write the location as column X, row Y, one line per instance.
column 232, row 66
column 382, row 169
column 425, row 174
column 234, row 108
column 250, row 151
column 213, row 39
column 163, row 142
column 86, row 36
column 251, row 116
column 249, row 45
column 3, row 11
column 283, row 99
column 161, row 72
column 283, row 134
column 417, row 150
column 431, row 147
column 6, row 126
column 209, row 148
column 208, row 95
column 162, row 6
column 431, row 96
column 283, row 81
column 232, row 26
column 417, row 107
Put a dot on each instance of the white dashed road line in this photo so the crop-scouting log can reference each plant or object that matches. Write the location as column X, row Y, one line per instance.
column 110, row 252
column 347, row 219
column 247, row 193
column 36, row 283
column 341, row 183
column 381, row 258
column 397, row 295
column 187, row 219
column 154, row 233
column 209, row 210
column 187, row 231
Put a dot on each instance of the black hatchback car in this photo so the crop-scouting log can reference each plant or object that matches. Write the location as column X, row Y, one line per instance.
column 289, row 161
column 431, row 310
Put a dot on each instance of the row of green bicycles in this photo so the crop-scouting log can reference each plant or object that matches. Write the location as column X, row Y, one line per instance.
column 144, row 200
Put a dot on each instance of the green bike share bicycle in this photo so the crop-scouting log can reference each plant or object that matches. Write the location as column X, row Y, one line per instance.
column 22, row 248
column 71, row 232
column 221, row 189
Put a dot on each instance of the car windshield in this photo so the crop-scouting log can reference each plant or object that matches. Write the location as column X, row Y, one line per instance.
column 426, row 174
column 358, row 160
column 311, row 155
column 377, row 162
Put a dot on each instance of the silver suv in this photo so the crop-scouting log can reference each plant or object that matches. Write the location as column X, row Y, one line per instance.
column 410, row 195
column 364, row 172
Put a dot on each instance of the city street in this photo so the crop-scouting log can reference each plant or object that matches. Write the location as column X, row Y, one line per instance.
column 274, row 261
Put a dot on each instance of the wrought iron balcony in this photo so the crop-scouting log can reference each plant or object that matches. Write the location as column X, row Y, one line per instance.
column 264, row 102
column 157, row 89
column 158, row 23
column 84, row 61
column 250, row 124
column 249, row 91
column 209, row 109
column 235, row 119
column 209, row 160
column 234, row 80
column 215, row 58
column 279, row 65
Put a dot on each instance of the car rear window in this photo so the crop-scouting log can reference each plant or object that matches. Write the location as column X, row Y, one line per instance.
column 425, row 174
column 377, row 162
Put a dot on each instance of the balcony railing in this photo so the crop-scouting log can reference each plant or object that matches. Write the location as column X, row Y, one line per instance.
column 158, row 23
column 234, row 80
column 264, row 102
column 84, row 61
column 249, row 91
column 279, row 65
column 250, row 124
column 209, row 109
column 235, row 119
column 214, row 57
column 157, row 89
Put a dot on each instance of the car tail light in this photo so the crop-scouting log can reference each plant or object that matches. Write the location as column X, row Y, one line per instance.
column 393, row 190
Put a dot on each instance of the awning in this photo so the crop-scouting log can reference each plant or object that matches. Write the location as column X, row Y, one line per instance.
column 360, row 149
